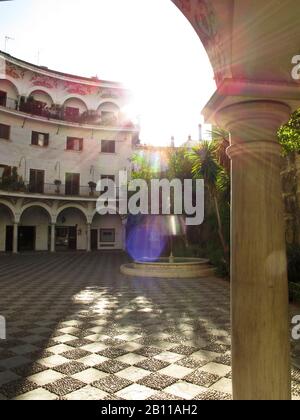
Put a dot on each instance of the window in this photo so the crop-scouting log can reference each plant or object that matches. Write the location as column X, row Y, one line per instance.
column 72, row 184
column 36, row 181
column 39, row 139
column 108, row 146
column 4, row 131
column 107, row 235
column 3, row 98
column 74, row 143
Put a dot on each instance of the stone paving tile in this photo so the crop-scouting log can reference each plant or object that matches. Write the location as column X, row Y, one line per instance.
column 163, row 396
column 15, row 388
column 45, row 377
column 90, row 375
column 75, row 354
column 36, row 395
column 157, row 381
column 176, row 371
column 152, row 364
column 70, row 368
column 213, row 395
column 111, row 366
column 184, row 350
column 184, row 390
column 135, row 392
column 87, row 393
column 64, row 386
column 113, row 352
column 112, row 384
column 202, row 378
column 108, row 337
column 192, row 362
column 216, row 369
column 148, row 351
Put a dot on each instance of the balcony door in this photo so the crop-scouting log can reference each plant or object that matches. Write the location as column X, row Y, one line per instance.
column 36, row 181
column 72, row 184
column 3, row 98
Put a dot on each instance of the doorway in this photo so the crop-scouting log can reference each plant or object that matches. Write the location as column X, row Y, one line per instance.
column 66, row 238
column 26, row 238
column 94, row 240
column 9, row 239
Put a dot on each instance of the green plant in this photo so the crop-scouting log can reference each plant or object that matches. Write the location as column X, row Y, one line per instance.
column 13, row 182
column 289, row 134
column 205, row 165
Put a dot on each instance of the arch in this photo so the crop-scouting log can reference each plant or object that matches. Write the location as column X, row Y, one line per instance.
column 42, row 96
column 75, row 101
column 111, row 106
column 10, row 88
column 72, row 206
column 11, row 209
column 37, row 204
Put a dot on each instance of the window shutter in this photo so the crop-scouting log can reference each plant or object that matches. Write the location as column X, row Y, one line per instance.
column 46, row 140
column 35, row 138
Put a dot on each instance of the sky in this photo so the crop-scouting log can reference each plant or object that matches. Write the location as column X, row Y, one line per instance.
column 146, row 44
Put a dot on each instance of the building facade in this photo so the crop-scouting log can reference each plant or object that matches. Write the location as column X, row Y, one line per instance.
column 59, row 134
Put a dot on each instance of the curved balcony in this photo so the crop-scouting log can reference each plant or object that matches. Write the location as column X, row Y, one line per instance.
column 40, row 109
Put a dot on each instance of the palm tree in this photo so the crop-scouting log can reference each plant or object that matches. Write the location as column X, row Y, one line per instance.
column 205, row 165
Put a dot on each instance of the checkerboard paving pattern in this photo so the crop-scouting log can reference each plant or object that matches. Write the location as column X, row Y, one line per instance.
column 78, row 329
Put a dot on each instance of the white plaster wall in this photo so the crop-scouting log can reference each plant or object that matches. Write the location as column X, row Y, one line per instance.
column 90, row 163
column 109, row 222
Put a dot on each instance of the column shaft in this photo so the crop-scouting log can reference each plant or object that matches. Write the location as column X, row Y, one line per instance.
column 15, row 238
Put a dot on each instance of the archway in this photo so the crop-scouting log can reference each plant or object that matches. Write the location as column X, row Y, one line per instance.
column 71, row 229
column 9, row 94
column 74, row 108
column 33, row 230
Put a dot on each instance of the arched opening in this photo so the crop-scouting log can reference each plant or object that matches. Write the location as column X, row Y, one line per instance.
column 9, row 94
column 6, row 228
column 73, row 109
column 33, row 230
column 107, row 232
column 109, row 113
column 38, row 103
column 71, row 229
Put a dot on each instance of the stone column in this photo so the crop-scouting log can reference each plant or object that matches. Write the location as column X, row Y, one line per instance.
column 259, row 288
column 15, row 238
column 52, row 243
column 88, row 237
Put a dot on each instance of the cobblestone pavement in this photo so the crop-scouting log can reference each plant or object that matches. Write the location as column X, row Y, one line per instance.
column 77, row 329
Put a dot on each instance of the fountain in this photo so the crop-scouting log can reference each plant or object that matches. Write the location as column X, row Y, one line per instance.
column 168, row 267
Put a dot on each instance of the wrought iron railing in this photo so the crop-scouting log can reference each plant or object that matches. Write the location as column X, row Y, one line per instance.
column 62, row 190
column 57, row 112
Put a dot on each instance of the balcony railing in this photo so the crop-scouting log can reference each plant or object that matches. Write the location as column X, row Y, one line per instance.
column 56, row 190
column 57, row 112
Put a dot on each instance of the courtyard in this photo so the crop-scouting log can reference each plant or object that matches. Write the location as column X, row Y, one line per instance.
column 78, row 329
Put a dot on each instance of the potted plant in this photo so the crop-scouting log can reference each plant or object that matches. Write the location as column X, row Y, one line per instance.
column 57, row 183
column 92, row 186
